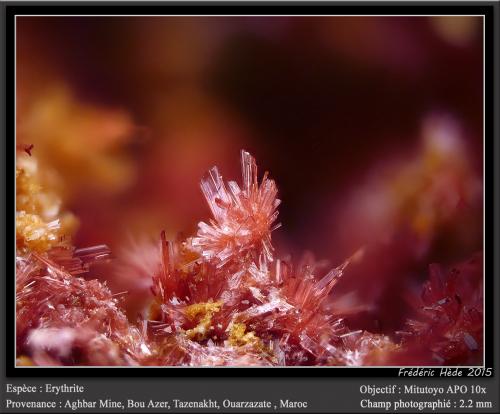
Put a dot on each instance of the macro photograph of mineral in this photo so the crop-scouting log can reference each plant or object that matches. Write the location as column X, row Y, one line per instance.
column 249, row 191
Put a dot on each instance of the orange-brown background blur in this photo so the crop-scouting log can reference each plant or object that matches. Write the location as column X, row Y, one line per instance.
column 130, row 112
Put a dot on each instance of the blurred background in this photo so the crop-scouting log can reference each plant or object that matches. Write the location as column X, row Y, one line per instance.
column 372, row 128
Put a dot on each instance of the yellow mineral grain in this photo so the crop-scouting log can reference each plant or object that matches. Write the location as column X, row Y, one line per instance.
column 238, row 337
column 202, row 312
column 34, row 234
column 26, row 190
column 40, row 224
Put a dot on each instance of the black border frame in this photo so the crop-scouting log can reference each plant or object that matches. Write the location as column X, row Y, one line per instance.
column 255, row 8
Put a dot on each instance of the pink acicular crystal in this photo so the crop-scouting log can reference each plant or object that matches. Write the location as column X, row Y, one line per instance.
column 448, row 322
column 249, row 300
column 243, row 217
column 62, row 319
column 224, row 298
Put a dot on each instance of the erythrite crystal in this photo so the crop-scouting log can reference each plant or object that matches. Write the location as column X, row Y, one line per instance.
column 223, row 288
column 244, row 216
column 63, row 319
column 448, row 322
column 223, row 298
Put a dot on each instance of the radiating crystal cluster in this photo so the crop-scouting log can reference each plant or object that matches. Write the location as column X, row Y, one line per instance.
column 63, row 319
column 225, row 298
column 243, row 217
column 448, row 320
